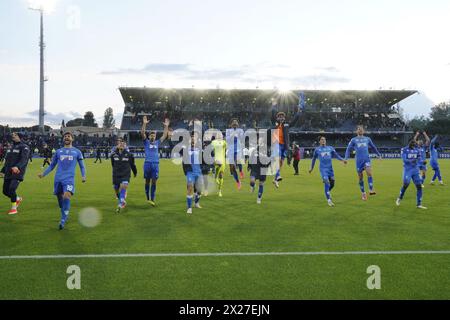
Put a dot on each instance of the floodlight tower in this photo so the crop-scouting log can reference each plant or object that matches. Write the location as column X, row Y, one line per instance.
column 42, row 75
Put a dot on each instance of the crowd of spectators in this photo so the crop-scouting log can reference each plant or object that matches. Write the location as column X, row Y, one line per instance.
column 310, row 120
column 87, row 144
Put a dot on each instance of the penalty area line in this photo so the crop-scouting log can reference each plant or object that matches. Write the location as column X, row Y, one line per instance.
column 219, row 254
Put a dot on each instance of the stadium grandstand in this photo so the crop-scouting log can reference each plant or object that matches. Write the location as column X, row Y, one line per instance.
column 334, row 114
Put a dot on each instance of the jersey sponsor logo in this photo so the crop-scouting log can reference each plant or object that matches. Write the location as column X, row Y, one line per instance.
column 361, row 144
column 65, row 157
column 325, row 154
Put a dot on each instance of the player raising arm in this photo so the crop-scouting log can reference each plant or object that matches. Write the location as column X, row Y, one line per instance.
column 66, row 160
column 411, row 159
column 434, row 157
column 151, row 163
column 422, row 146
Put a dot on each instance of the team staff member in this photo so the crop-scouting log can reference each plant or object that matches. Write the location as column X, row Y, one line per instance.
column 122, row 161
column 46, row 154
column 296, row 156
column 14, row 170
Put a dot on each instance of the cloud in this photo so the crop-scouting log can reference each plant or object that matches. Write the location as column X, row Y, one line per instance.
column 32, row 118
column 185, row 71
column 321, row 79
column 261, row 72
column 55, row 118
column 328, row 69
column 4, row 120
column 215, row 74
column 304, row 81
column 151, row 68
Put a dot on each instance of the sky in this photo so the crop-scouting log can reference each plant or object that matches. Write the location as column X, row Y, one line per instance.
column 94, row 47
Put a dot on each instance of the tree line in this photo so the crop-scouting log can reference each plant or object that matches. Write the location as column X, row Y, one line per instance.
column 438, row 121
column 89, row 120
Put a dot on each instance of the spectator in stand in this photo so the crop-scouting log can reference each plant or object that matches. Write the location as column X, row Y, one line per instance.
column 2, row 152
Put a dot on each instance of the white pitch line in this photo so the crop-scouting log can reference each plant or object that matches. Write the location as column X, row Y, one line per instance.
column 220, row 254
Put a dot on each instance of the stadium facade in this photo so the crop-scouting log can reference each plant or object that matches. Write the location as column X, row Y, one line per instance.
column 334, row 114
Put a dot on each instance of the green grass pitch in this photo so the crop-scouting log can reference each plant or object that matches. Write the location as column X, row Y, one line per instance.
column 294, row 218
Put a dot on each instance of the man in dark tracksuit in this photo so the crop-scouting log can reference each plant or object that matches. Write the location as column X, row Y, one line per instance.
column 98, row 155
column 296, row 156
column 122, row 161
column 46, row 154
column 258, row 164
column 14, row 170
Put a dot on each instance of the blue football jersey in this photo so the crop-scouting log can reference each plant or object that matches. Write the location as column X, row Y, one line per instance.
column 194, row 157
column 325, row 154
column 434, row 153
column 411, row 159
column 423, row 153
column 66, row 159
column 361, row 146
column 151, row 150
column 234, row 137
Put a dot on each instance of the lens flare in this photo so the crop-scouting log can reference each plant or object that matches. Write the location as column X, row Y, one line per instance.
column 89, row 217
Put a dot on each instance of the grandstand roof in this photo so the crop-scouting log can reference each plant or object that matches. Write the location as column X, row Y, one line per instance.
column 152, row 96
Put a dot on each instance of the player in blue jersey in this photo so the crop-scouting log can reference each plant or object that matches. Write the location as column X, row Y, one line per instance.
column 422, row 146
column 151, row 163
column 235, row 157
column 361, row 145
column 192, row 160
column 325, row 154
column 411, row 157
column 66, row 159
column 434, row 157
